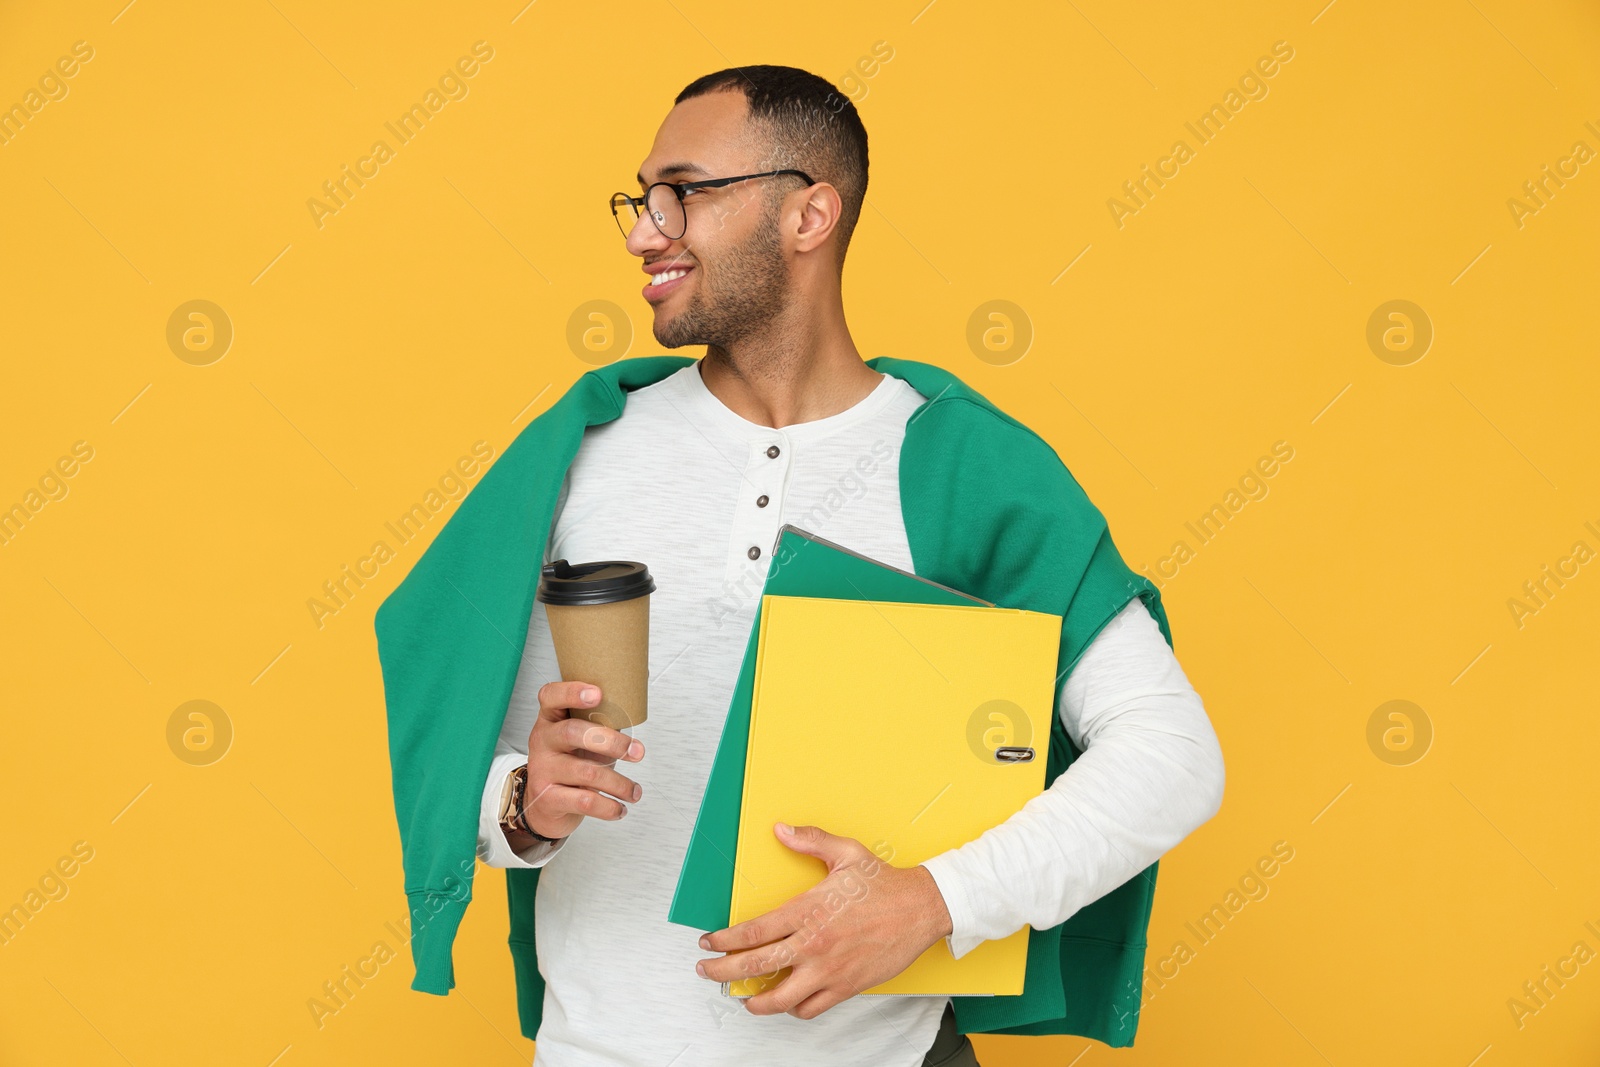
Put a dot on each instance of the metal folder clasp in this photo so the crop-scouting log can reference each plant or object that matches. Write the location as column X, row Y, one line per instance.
column 1013, row 754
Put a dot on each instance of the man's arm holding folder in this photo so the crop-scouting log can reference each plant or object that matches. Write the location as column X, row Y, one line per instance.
column 1151, row 772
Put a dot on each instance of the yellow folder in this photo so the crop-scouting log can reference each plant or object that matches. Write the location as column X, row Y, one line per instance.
column 910, row 727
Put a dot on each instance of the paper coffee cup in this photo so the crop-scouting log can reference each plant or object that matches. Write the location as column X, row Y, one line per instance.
column 600, row 622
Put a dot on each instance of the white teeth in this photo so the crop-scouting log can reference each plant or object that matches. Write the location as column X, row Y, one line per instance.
column 666, row 276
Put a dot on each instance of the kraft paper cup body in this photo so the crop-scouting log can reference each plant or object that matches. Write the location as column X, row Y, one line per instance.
column 608, row 645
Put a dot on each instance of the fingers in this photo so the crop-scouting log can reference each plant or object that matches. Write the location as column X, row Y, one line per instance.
column 570, row 761
column 762, row 962
column 556, row 801
column 587, row 774
column 785, row 986
column 563, row 731
column 816, row 1004
column 557, row 703
column 557, row 698
column 593, row 741
column 748, row 934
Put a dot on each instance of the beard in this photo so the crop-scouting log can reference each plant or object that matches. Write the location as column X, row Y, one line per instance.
column 742, row 293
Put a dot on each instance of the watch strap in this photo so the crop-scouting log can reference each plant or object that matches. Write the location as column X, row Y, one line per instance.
column 513, row 816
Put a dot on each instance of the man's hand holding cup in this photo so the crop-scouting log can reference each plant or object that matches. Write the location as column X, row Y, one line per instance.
column 570, row 765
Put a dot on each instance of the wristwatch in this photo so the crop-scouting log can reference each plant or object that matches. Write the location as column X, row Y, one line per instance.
column 512, row 817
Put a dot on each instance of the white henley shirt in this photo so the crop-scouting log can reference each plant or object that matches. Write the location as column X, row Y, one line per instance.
column 697, row 492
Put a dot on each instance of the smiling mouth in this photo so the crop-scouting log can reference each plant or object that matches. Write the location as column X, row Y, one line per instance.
column 665, row 282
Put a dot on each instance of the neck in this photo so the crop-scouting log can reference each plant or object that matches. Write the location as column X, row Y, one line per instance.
column 802, row 367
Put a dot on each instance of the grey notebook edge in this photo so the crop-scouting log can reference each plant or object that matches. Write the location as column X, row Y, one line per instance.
column 809, row 536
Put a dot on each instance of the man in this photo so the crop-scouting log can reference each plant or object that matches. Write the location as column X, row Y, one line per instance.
column 780, row 421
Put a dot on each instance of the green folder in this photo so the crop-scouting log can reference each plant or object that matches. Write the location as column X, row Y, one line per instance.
column 801, row 564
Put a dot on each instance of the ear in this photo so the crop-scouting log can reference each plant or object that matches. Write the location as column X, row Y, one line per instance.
column 819, row 214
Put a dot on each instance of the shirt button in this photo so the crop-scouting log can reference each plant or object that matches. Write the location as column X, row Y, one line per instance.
column 754, row 552
column 761, row 501
column 772, row 451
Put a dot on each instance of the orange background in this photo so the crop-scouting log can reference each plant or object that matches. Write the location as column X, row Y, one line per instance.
column 1440, row 859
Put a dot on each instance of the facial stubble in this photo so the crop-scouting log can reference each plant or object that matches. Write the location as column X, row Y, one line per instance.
column 739, row 294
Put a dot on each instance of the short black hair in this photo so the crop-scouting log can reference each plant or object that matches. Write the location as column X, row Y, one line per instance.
column 810, row 125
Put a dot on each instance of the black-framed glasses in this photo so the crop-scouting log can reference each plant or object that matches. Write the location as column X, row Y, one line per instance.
column 664, row 202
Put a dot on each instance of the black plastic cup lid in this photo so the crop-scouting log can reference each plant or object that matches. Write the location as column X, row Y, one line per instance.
column 605, row 582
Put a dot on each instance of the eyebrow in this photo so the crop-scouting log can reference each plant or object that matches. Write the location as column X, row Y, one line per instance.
column 672, row 169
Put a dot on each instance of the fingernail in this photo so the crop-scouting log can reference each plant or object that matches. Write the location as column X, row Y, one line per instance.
column 785, row 828
column 705, row 943
column 700, row 969
column 636, row 751
column 638, row 791
column 589, row 696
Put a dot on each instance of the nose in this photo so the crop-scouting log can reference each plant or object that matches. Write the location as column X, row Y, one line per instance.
column 646, row 236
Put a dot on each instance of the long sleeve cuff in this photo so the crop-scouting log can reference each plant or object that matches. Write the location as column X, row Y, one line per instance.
column 963, row 919
column 493, row 848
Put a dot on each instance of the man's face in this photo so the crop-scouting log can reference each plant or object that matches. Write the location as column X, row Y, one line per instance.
column 737, row 280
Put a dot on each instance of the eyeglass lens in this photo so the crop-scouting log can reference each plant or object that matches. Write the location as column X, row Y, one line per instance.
column 664, row 208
